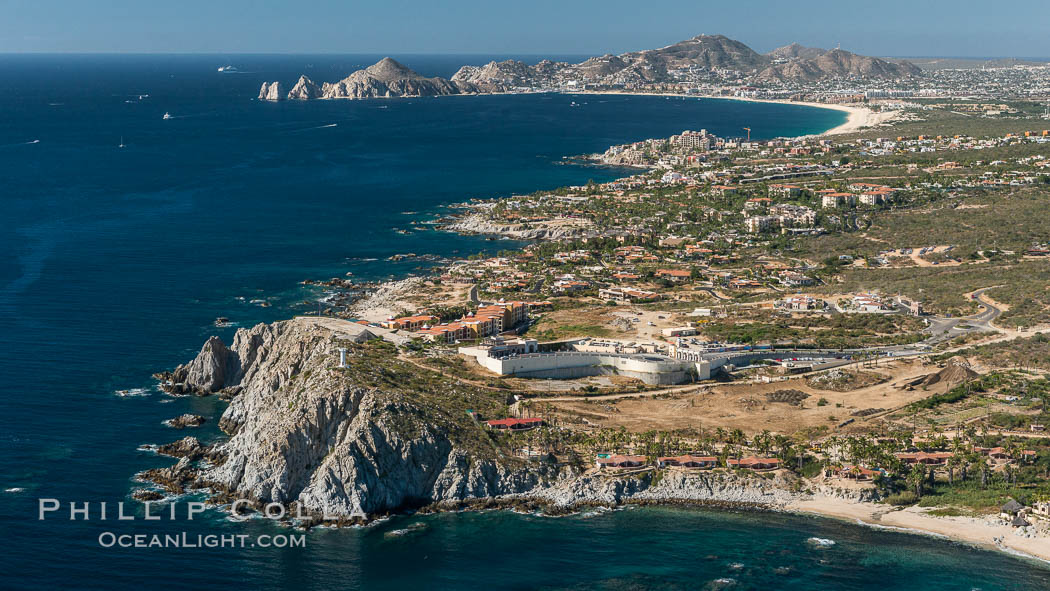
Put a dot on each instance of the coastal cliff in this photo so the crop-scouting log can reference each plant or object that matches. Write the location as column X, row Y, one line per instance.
column 360, row 440
column 380, row 435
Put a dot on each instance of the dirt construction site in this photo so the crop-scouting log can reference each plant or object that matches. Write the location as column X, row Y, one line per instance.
column 783, row 406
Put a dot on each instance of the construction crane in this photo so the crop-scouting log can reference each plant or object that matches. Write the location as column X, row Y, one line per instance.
column 748, row 133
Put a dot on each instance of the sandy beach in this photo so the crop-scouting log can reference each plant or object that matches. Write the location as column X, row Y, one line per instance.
column 987, row 532
column 859, row 117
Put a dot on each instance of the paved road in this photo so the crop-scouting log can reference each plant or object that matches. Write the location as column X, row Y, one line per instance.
column 944, row 329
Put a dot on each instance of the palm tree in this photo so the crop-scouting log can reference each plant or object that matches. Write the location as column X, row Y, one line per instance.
column 982, row 467
column 916, row 478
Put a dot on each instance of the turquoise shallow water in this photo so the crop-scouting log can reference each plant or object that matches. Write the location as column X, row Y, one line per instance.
column 116, row 261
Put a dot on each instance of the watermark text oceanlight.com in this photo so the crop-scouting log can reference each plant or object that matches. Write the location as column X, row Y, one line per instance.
column 186, row 540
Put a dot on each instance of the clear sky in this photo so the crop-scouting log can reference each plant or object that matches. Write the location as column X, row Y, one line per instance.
column 875, row 27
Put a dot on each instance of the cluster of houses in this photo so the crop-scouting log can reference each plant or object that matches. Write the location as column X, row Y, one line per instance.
column 801, row 303
column 997, row 455
column 785, row 216
column 488, row 320
column 867, row 303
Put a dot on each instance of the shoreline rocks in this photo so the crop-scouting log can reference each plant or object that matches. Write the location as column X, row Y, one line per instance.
column 477, row 223
column 185, row 420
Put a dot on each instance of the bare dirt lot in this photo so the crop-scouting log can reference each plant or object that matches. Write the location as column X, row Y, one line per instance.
column 748, row 406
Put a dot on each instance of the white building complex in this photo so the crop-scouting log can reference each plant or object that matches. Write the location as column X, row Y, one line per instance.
column 520, row 357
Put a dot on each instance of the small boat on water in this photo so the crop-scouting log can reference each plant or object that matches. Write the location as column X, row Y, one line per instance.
column 227, row 69
column 122, row 144
column 222, row 322
column 167, row 116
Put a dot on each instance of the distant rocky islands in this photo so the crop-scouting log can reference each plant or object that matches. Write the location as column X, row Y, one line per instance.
column 387, row 78
column 687, row 60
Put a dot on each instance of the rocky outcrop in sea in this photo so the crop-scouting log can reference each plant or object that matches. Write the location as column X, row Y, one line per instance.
column 272, row 91
column 305, row 89
column 387, row 78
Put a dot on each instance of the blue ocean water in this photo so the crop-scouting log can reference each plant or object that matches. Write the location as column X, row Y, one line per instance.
column 116, row 261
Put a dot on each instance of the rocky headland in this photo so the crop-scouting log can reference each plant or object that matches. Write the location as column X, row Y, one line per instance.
column 477, row 222
column 382, row 435
column 387, row 78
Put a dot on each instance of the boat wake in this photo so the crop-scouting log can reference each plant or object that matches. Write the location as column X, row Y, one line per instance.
column 29, row 143
column 326, row 126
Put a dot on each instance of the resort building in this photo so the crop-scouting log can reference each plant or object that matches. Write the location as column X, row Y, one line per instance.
column 515, row 424
column 856, row 473
column 411, row 323
column 939, row 458
column 784, row 191
column 617, row 461
column 754, row 463
column 688, row 461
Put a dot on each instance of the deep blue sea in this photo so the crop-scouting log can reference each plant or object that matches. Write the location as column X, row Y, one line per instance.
column 115, row 261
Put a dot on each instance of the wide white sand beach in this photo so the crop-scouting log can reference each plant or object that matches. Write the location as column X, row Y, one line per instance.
column 988, row 532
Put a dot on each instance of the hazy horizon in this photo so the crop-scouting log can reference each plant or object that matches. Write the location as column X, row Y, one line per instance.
column 896, row 28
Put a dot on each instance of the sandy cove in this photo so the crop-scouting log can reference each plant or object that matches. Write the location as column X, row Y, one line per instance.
column 859, row 117
column 986, row 532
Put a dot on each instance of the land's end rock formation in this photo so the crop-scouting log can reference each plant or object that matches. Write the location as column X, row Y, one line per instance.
column 305, row 89
column 385, row 79
column 273, row 91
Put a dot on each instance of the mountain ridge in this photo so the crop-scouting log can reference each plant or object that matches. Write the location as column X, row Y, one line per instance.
column 699, row 56
column 791, row 63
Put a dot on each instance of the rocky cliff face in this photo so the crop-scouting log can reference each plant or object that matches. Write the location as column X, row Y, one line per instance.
column 273, row 91
column 305, row 89
column 334, row 440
